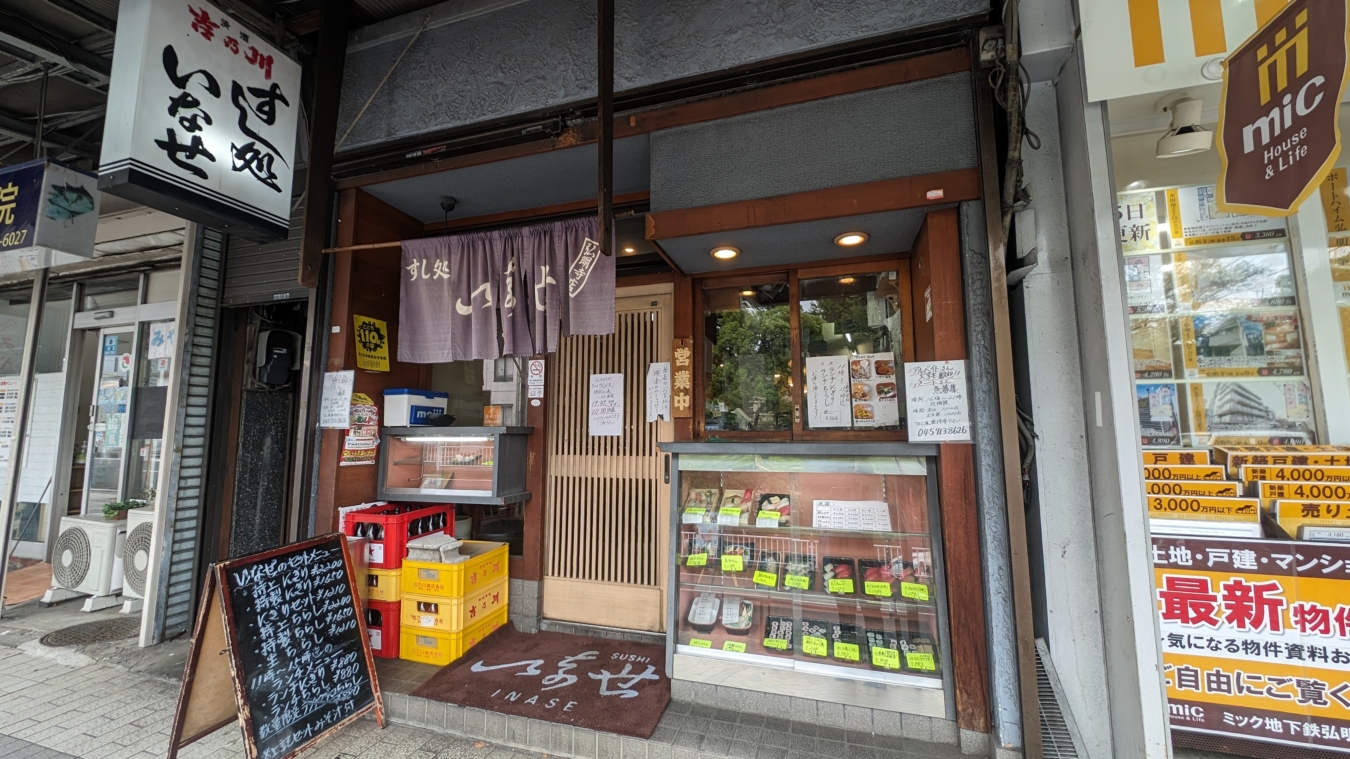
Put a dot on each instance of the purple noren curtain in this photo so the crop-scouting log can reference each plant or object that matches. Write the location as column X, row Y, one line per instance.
column 525, row 285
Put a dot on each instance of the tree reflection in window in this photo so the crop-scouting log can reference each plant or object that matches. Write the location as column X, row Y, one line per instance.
column 749, row 374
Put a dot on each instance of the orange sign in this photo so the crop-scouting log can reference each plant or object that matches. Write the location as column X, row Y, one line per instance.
column 682, row 378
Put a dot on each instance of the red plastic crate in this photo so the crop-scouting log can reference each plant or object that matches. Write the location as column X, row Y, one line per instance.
column 390, row 524
column 384, row 636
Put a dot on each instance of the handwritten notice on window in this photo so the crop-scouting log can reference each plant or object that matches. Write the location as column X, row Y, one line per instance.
column 937, row 405
column 658, row 391
column 827, row 400
column 606, row 405
column 335, row 404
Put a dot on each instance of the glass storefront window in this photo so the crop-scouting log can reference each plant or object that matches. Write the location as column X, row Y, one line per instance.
column 37, row 475
column 113, row 292
column 747, row 331
column 856, row 319
column 475, row 385
column 153, row 374
column 162, row 285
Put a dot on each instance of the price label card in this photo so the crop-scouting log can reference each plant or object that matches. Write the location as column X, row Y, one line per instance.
column 696, row 560
column 917, row 591
column 733, row 563
column 734, row 647
column 846, row 651
column 841, row 586
column 882, row 589
column 886, row 658
column 700, row 643
column 815, row 646
column 767, row 519
column 800, row 582
column 693, row 515
column 729, row 515
column 922, row 662
column 768, row 579
column 777, row 643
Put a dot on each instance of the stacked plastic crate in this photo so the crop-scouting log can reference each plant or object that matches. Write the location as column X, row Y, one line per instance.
column 387, row 529
column 454, row 595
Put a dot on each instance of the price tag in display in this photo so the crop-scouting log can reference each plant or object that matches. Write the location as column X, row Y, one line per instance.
column 846, row 651
column 882, row 589
column 800, row 582
column 886, row 658
column 693, row 515
column 922, row 662
column 700, row 643
column 768, row 579
column 815, row 646
column 729, row 515
column 914, row 590
column 776, row 643
column 738, row 648
column 733, row 563
column 696, row 560
column 767, row 519
column 841, row 586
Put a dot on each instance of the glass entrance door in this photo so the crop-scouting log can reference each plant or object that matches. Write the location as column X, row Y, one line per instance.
column 109, row 418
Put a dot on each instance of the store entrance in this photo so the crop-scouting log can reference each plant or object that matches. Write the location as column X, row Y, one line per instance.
column 608, row 502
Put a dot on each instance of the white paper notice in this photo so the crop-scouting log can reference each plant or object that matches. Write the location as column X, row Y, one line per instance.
column 159, row 341
column 534, row 379
column 606, row 405
column 658, row 391
column 827, row 403
column 44, row 435
column 335, row 407
column 936, row 395
column 866, row 516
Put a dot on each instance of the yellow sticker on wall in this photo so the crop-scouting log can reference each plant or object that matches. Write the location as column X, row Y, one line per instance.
column 372, row 344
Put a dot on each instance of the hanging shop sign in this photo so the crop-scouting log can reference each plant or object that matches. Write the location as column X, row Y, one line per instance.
column 48, row 215
column 1279, row 117
column 372, row 344
column 682, row 378
column 507, row 292
column 1135, row 47
column 1256, row 638
column 285, row 629
column 202, row 118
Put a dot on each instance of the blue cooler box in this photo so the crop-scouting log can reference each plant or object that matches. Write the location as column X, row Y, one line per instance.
column 406, row 407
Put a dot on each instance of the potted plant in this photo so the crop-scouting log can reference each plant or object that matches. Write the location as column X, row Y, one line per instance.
column 117, row 510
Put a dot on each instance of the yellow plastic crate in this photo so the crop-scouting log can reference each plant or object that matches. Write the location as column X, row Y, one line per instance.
column 383, row 584
column 439, row 647
column 485, row 565
column 453, row 614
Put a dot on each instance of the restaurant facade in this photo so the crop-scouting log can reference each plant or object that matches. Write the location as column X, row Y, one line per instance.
column 793, row 224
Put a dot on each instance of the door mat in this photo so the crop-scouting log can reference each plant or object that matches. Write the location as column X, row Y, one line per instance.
column 606, row 685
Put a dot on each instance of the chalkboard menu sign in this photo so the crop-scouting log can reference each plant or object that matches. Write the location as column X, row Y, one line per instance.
column 287, row 623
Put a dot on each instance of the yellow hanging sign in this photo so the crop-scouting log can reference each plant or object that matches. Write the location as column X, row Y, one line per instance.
column 372, row 344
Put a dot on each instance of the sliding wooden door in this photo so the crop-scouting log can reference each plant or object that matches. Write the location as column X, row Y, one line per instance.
column 607, row 510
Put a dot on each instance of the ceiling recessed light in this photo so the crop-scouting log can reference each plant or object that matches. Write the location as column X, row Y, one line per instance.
column 725, row 252
column 748, row 293
column 847, row 280
column 849, row 239
column 630, row 249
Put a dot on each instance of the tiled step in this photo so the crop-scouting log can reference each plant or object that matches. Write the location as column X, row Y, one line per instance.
column 689, row 731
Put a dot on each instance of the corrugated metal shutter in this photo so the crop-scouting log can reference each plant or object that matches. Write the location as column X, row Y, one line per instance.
column 263, row 273
column 180, row 583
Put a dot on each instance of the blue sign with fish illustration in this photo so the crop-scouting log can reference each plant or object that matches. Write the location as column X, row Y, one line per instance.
column 48, row 215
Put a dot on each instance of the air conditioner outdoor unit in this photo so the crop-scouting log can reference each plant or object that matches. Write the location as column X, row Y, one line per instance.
column 87, row 560
column 136, row 557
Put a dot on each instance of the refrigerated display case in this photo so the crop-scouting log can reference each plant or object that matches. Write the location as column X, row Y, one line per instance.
column 811, row 570
column 466, row 465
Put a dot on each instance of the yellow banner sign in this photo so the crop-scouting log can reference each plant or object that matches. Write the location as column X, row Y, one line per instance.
column 1296, row 473
column 1193, row 488
column 1235, row 459
column 372, row 344
column 1206, row 509
column 1291, row 515
column 1183, row 472
column 1311, row 491
column 1200, row 456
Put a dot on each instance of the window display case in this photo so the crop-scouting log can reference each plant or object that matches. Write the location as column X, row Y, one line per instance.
column 811, row 570
column 467, row 465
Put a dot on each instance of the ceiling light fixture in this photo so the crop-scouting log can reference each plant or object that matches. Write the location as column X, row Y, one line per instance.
column 747, row 293
column 630, row 249
column 725, row 253
column 849, row 239
column 1185, row 136
column 847, row 280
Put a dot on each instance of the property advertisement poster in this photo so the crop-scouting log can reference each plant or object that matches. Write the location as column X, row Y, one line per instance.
column 1194, row 218
column 1152, row 343
column 1252, row 413
column 1243, row 345
column 1145, row 285
column 1159, row 414
column 1256, row 638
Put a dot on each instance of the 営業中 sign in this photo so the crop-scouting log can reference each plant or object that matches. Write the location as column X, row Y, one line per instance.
column 202, row 118
column 1279, row 127
column 48, row 215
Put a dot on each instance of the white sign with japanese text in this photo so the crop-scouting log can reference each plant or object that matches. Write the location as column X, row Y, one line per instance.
column 335, row 403
column 202, row 118
column 935, row 397
column 827, row 387
column 534, row 378
column 605, row 406
column 658, row 391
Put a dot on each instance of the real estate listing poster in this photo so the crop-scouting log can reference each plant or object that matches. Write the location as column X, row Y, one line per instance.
column 1151, row 340
column 1159, row 414
column 1256, row 412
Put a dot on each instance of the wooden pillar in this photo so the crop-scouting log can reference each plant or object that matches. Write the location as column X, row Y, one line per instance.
column 334, row 19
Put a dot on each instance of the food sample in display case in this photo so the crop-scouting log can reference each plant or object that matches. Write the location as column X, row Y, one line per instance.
column 833, row 574
column 471, row 465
